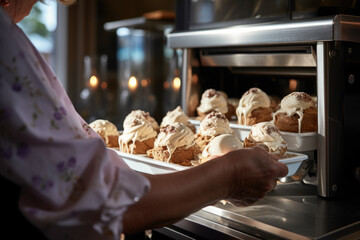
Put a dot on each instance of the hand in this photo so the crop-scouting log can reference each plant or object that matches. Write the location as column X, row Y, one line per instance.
column 255, row 172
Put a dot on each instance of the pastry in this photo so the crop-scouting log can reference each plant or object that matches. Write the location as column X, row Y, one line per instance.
column 212, row 100
column 138, row 136
column 297, row 113
column 220, row 145
column 214, row 124
column 267, row 136
column 254, row 107
column 175, row 144
column 141, row 115
column 107, row 130
column 177, row 115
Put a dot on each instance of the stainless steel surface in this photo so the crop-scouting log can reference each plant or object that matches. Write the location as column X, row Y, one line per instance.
column 322, row 120
column 219, row 227
column 186, row 78
column 333, row 28
column 259, row 60
column 291, row 211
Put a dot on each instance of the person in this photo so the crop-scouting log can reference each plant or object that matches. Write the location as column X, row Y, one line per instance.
column 73, row 187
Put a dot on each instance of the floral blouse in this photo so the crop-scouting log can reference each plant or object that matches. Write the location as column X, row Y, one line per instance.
column 72, row 185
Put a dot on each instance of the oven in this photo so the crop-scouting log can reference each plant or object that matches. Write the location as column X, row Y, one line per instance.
column 318, row 55
column 280, row 47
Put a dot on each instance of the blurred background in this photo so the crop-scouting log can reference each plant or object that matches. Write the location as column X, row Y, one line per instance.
column 109, row 72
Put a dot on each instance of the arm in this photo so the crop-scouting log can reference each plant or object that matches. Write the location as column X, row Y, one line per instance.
column 242, row 176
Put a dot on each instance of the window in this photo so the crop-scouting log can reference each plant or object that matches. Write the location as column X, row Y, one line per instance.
column 49, row 35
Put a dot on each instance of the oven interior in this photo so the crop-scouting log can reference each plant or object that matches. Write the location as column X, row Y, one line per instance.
column 279, row 70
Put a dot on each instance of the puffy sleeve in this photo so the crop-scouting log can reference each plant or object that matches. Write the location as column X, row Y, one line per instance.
column 73, row 187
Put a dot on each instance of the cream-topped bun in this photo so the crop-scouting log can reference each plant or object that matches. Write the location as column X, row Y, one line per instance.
column 220, row 145
column 136, row 130
column 140, row 115
column 175, row 136
column 105, row 128
column 252, row 99
column 296, row 103
column 215, row 123
column 212, row 100
column 176, row 115
column 266, row 133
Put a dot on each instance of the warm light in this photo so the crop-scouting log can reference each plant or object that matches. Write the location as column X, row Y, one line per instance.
column 166, row 85
column 176, row 83
column 195, row 79
column 292, row 84
column 103, row 85
column 94, row 82
column 133, row 83
column 144, row 82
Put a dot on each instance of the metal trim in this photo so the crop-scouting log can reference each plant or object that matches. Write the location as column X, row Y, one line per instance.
column 253, row 223
column 259, row 60
column 219, row 227
column 322, row 124
column 339, row 27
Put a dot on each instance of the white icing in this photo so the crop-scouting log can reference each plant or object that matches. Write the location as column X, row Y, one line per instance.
column 136, row 130
column 268, row 134
column 296, row 103
column 215, row 123
column 140, row 115
column 174, row 136
column 104, row 128
column 177, row 115
column 250, row 100
column 212, row 100
column 221, row 144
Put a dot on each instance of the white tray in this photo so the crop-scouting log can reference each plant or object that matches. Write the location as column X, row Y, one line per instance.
column 143, row 164
column 298, row 142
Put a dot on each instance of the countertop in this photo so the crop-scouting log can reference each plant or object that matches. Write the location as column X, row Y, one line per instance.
column 291, row 211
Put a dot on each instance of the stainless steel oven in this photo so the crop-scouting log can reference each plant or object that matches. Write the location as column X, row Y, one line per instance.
column 322, row 53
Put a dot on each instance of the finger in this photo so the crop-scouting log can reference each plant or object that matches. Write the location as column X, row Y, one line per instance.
column 274, row 157
column 282, row 169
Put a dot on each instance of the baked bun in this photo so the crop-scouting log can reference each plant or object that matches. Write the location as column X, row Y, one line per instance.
column 214, row 124
column 107, row 131
column 297, row 113
column 212, row 100
column 267, row 136
column 254, row 107
column 140, row 114
column 177, row 115
column 175, row 144
column 138, row 137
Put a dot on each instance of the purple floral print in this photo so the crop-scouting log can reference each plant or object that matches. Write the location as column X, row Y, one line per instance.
column 41, row 183
column 57, row 116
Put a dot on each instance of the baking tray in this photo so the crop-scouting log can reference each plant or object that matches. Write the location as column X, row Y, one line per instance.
column 298, row 142
column 143, row 164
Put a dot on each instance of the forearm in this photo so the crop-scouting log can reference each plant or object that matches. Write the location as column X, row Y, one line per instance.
column 174, row 196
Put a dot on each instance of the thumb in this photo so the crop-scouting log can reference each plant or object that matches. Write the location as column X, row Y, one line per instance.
column 282, row 169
